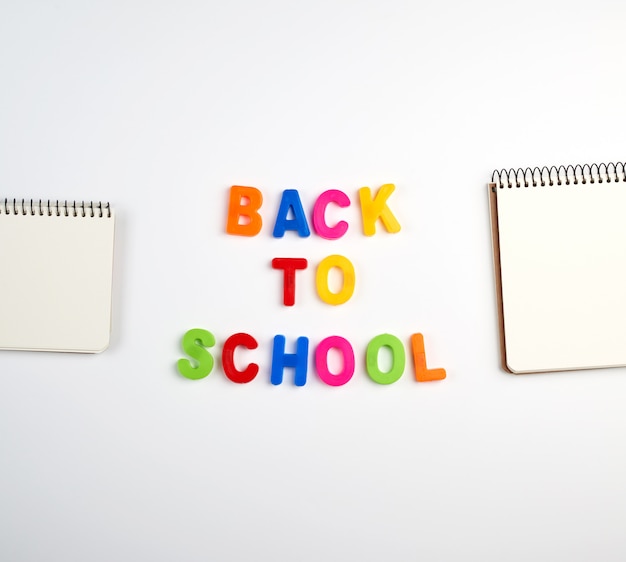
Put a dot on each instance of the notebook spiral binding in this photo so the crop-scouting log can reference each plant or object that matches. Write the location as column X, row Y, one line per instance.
column 57, row 208
column 559, row 175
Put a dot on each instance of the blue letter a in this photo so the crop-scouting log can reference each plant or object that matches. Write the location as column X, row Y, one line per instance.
column 291, row 200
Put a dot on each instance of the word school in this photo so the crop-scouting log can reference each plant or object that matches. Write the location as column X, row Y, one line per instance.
column 197, row 341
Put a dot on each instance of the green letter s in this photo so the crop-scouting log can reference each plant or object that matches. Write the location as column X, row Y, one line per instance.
column 194, row 343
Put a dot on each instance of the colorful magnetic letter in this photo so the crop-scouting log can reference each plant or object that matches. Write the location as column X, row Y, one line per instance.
column 321, row 360
column 228, row 358
column 291, row 201
column 289, row 266
column 373, row 209
column 298, row 360
column 194, row 343
column 319, row 210
column 321, row 279
column 397, row 363
column 422, row 373
column 244, row 202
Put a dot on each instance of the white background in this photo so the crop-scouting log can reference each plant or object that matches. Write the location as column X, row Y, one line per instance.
column 161, row 107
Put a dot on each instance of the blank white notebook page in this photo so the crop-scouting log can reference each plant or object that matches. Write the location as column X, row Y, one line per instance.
column 563, row 275
column 55, row 278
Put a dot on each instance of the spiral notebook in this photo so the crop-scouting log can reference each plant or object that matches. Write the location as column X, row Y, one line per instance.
column 559, row 241
column 55, row 275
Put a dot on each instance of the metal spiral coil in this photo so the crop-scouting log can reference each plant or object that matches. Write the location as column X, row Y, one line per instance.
column 559, row 175
column 55, row 208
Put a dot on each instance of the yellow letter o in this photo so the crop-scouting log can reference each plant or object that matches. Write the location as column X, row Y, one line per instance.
column 321, row 279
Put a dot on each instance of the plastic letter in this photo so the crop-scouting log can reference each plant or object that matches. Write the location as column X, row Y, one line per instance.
column 422, row 373
column 228, row 358
column 298, row 360
column 321, row 279
column 319, row 220
column 373, row 209
column 194, row 343
column 321, row 360
column 289, row 266
column 291, row 200
column 398, row 359
column 237, row 207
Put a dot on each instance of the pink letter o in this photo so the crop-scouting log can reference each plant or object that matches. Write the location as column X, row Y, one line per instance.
column 321, row 360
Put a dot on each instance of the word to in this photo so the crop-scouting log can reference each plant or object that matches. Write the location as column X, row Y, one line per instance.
column 289, row 266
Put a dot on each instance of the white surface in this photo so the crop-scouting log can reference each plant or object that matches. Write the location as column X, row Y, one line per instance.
column 563, row 265
column 56, row 279
column 160, row 108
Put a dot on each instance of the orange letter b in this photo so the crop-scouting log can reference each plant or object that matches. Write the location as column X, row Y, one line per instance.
column 244, row 202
